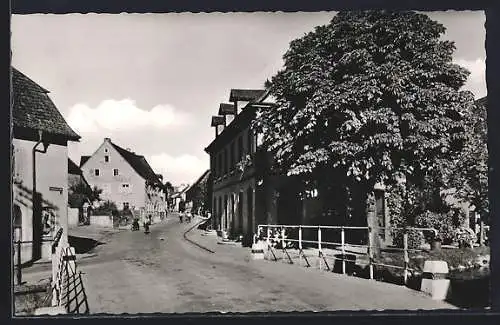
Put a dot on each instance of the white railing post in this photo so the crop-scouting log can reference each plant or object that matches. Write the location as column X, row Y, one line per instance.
column 342, row 242
column 319, row 248
column 370, row 253
column 406, row 258
column 283, row 237
column 268, row 239
column 300, row 237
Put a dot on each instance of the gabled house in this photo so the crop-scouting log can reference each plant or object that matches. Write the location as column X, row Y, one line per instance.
column 40, row 168
column 179, row 196
column 126, row 179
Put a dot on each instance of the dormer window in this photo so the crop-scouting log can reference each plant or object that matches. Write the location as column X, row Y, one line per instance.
column 106, row 158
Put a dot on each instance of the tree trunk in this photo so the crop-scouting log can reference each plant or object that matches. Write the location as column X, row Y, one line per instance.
column 372, row 222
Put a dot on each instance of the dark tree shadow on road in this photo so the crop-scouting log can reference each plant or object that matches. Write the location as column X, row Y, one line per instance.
column 83, row 245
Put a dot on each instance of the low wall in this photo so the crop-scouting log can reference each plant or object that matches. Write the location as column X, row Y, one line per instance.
column 27, row 298
column 102, row 221
column 73, row 216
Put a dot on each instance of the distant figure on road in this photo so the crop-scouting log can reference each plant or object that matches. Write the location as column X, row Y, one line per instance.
column 182, row 209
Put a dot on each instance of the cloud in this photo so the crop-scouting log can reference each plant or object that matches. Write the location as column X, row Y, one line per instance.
column 477, row 78
column 178, row 169
column 113, row 115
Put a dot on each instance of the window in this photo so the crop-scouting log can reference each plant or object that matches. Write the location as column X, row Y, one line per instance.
column 225, row 161
column 96, row 172
column 220, row 163
column 125, row 188
column 231, row 153
column 126, row 206
column 105, row 150
column 240, row 148
column 250, row 142
column 115, row 172
column 106, row 158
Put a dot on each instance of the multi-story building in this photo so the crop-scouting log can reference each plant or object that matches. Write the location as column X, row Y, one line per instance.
column 244, row 191
column 125, row 179
column 40, row 168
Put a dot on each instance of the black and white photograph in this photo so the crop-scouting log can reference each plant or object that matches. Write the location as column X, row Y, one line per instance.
column 242, row 162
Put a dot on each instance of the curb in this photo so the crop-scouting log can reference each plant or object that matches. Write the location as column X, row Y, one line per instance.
column 192, row 241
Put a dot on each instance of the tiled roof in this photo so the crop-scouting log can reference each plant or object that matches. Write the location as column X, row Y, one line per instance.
column 139, row 164
column 226, row 109
column 83, row 160
column 73, row 169
column 33, row 109
column 245, row 95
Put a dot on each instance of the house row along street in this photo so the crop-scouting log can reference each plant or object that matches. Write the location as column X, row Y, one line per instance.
column 132, row 272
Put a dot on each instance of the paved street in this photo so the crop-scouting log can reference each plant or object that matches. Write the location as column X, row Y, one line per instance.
column 162, row 272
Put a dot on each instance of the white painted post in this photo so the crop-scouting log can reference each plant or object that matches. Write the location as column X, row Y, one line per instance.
column 268, row 239
column 282, row 237
column 319, row 248
column 342, row 242
column 406, row 258
column 300, row 237
column 370, row 253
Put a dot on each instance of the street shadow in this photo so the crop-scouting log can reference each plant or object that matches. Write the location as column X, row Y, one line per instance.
column 83, row 245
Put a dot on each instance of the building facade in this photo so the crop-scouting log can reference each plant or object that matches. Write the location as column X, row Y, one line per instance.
column 246, row 191
column 39, row 170
column 126, row 179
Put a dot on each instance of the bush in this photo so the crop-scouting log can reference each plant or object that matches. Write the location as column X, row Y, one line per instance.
column 106, row 208
column 415, row 238
column 442, row 222
column 465, row 237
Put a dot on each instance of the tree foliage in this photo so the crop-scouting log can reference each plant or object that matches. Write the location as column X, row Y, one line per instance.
column 470, row 173
column 80, row 192
column 374, row 94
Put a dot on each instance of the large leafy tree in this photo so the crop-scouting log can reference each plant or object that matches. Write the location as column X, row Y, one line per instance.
column 373, row 96
column 470, row 175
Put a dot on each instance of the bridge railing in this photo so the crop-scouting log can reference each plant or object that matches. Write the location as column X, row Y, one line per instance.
column 291, row 237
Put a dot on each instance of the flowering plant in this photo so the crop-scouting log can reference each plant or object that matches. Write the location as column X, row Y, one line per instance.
column 465, row 237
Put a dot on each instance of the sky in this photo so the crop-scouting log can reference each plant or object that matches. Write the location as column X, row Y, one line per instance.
column 151, row 82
